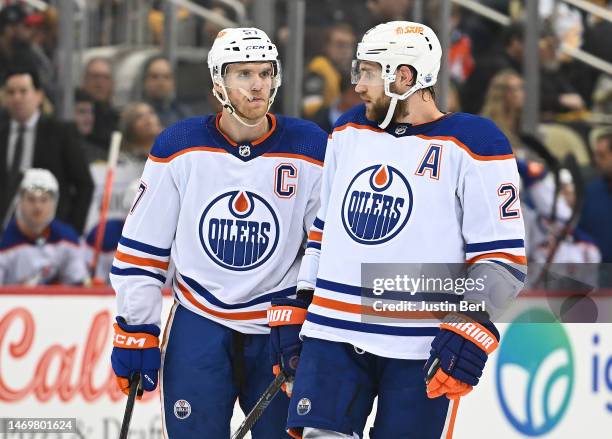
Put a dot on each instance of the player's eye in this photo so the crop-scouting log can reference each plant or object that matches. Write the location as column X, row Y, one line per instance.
column 244, row 74
column 266, row 74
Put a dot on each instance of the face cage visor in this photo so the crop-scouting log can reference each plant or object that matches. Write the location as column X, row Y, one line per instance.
column 250, row 78
column 366, row 73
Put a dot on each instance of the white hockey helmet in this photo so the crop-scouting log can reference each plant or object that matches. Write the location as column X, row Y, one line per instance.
column 39, row 180
column 234, row 45
column 398, row 43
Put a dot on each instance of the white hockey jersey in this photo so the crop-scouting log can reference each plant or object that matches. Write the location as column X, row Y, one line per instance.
column 233, row 218
column 56, row 257
column 125, row 181
column 440, row 192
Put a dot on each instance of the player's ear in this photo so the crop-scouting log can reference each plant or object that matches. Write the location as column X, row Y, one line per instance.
column 404, row 78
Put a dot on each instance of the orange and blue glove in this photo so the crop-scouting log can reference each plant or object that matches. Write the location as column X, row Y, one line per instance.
column 285, row 318
column 135, row 349
column 458, row 354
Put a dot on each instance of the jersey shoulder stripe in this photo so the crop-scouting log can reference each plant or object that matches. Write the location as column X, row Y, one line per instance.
column 299, row 138
column 58, row 232
column 182, row 137
column 479, row 136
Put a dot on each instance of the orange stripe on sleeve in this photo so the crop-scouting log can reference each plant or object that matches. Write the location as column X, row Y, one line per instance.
column 522, row 260
column 137, row 260
column 315, row 236
column 360, row 309
column 246, row 315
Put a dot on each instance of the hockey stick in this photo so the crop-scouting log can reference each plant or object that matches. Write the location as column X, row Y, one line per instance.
column 113, row 155
column 129, row 406
column 571, row 164
column 260, row 406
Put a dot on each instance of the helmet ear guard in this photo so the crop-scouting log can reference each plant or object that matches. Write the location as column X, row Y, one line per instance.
column 398, row 43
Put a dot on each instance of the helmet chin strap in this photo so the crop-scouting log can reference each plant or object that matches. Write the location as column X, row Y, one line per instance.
column 225, row 101
column 394, row 98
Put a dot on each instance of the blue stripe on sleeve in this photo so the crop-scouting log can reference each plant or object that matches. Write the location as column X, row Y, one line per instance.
column 387, row 294
column 137, row 272
column 146, row 248
column 318, row 223
column 513, row 271
column 418, row 331
column 313, row 244
column 494, row 245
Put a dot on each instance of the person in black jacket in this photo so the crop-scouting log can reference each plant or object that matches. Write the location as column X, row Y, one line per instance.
column 29, row 139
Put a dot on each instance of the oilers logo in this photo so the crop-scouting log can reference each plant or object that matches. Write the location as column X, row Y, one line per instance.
column 239, row 230
column 377, row 205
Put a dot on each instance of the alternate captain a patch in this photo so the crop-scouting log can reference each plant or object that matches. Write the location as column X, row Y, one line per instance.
column 377, row 204
column 239, row 230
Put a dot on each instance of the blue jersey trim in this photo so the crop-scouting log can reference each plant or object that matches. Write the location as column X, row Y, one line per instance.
column 494, row 245
column 215, row 301
column 312, row 244
column 513, row 271
column 137, row 272
column 387, row 295
column 319, row 224
column 142, row 247
column 372, row 328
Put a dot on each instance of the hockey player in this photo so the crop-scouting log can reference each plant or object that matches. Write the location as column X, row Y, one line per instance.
column 402, row 182
column 229, row 198
column 37, row 249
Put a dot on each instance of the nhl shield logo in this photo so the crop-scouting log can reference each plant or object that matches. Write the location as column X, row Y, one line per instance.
column 239, row 230
column 244, row 150
column 182, row 409
column 377, row 205
column 303, row 406
column 400, row 130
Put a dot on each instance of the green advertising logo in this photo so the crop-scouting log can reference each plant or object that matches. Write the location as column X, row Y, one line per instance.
column 535, row 372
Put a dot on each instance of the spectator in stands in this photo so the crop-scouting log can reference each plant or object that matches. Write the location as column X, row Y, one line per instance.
column 37, row 249
column 510, row 56
column 16, row 47
column 557, row 94
column 504, row 104
column 98, row 82
column 139, row 125
column 29, row 139
column 159, row 91
column 324, row 72
column 597, row 210
column 84, row 118
column 326, row 117
column 460, row 59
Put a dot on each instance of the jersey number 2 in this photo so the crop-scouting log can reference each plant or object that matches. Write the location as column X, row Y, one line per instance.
column 506, row 210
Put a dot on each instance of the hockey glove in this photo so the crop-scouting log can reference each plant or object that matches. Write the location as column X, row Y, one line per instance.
column 458, row 355
column 135, row 349
column 285, row 318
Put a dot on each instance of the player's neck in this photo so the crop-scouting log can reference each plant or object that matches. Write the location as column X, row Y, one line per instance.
column 420, row 111
column 240, row 133
column 30, row 232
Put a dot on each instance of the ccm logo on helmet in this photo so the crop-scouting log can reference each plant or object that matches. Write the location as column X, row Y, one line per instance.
column 255, row 47
column 128, row 341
